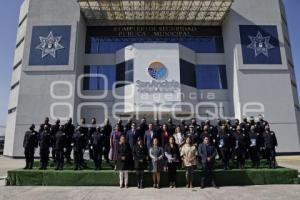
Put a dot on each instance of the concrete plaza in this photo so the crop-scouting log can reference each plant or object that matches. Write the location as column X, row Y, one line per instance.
column 114, row 193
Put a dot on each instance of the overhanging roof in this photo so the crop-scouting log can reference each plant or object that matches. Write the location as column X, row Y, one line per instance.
column 154, row 12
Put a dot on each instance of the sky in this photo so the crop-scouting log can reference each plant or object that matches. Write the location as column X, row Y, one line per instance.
column 9, row 22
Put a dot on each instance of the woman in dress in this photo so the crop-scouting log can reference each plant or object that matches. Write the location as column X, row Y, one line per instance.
column 173, row 156
column 140, row 154
column 123, row 155
column 165, row 135
column 189, row 156
column 156, row 153
column 114, row 143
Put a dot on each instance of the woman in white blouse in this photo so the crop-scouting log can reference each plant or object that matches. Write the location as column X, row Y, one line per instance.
column 179, row 137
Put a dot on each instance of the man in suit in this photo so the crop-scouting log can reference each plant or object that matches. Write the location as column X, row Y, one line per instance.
column 149, row 135
column 143, row 127
column 128, row 125
column 30, row 143
column 207, row 153
column 132, row 135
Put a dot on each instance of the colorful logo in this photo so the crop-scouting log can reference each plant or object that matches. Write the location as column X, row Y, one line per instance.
column 157, row 70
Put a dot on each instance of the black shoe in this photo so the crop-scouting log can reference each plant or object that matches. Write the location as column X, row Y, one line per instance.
column 202, row 186
column 25, row 167
column 56, row 168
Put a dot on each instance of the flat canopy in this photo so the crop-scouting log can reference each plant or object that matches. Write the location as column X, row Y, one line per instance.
column 154, row 12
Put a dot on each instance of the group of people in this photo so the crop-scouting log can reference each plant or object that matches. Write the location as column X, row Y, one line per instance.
column 154, row 147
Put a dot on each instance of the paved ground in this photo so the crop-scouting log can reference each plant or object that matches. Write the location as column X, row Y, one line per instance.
column 9, row 164
column 273, row 192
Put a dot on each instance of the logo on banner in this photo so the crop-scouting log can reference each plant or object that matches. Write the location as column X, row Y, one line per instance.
column 260, row 44
column 49, row 45
column 157, row 70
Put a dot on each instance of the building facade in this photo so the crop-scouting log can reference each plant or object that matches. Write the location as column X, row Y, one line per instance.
column 108, row 59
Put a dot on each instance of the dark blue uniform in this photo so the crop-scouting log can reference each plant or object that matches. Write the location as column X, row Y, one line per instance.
column 30, row 143
column 79, row 144
column 224, row 141
column 45, row 144
column 241, row 145
column 270, row 142
column 60, row 145
column 97, row 145
column 254, row 148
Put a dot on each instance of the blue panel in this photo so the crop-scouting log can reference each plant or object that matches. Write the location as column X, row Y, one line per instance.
column 211, row 44
column 260, row 44
column 50, row 45
column 211, row 77
column 93, row 80
column 110, row 73
column 97, row 83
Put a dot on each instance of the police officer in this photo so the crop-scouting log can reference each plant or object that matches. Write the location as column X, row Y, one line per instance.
column 254, row 147
column 143, row 127
column 210, row 128
column 245, row 126
column 45, row 144
column 79, row 144
column 224, row 143
column 60, row 146
column 157, row 128
column 193, row 135
column 206, row 133
column 46, row 122
column 92, row 130
column 270, row 142
column 196, row 127
column 241, row 144
column 85, row 131
column 69, row 130
column 260, row 128
column 30, row 142
column 128, row 125
column 183, row 127
column 171, row 126
column 97, row 145
column 107, row 129
column 54, row 130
